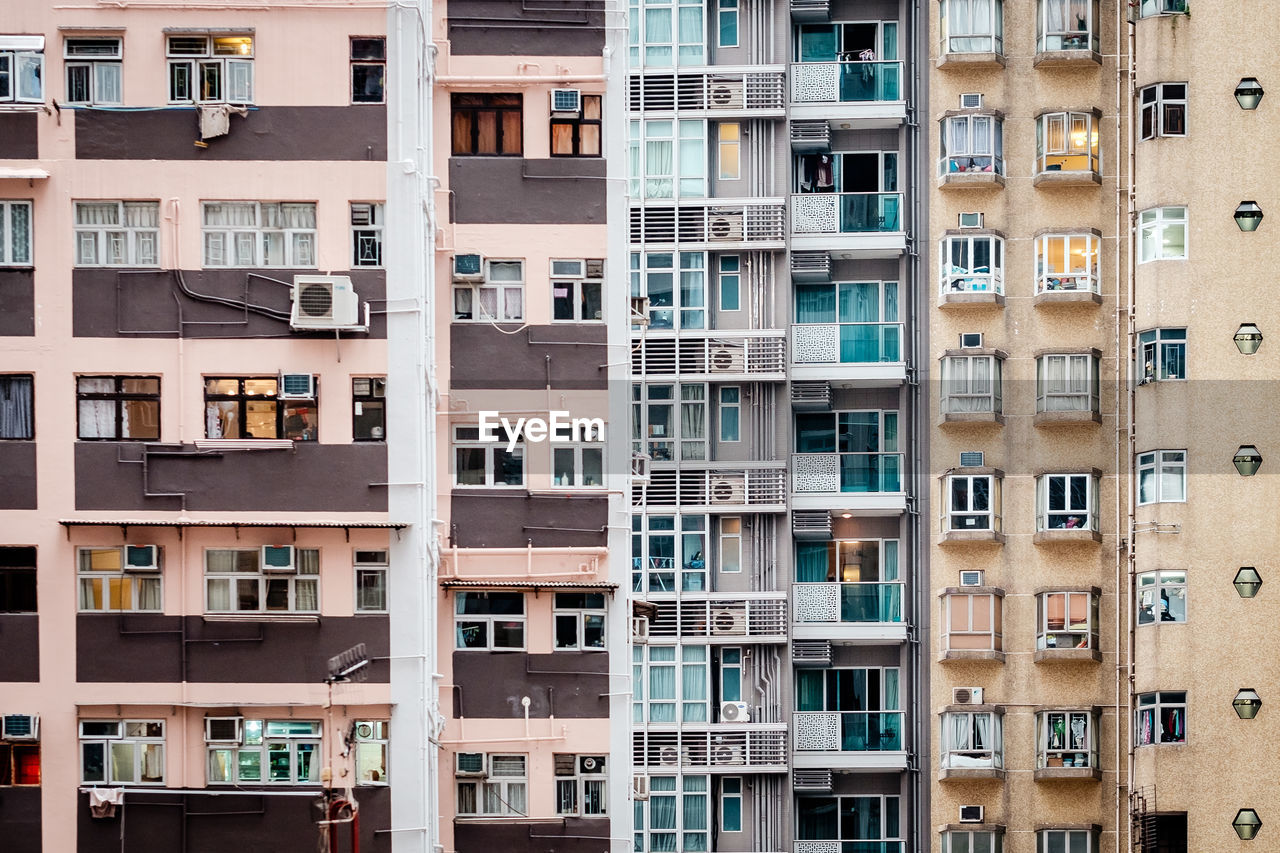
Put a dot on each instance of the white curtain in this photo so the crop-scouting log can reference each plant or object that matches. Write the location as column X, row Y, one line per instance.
column 306, row 595
column 15, row 407
column 692, row 39
column 234, row 213
column 218, row 594
column 97, row 213
column 1055, row 16
column 149, row 594
column 959, row 732
column 659, row 160
column 20, row 227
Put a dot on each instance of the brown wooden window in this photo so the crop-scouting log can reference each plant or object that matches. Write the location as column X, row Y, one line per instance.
column 578, row 136
column 487, row 125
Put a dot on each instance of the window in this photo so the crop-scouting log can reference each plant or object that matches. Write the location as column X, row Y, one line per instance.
column 1151, row 8
column 16, row 419
column 1067, row 25
column 578, row 135
column 665, row 685
column 122, row 752
column 971, row 383
column 579, row 466
column 504, row 791
column 1067, row 383
column 366, row 234
column 368, row 70
column 730, row 413
column 210, row 69
column 973, row 264
column 1067, row 142
column 972, row 739
column 581, row 785
column 866, row 700
column 1067, row 620
column 866, row 314
column 237, row 582
column 485, row 124
column 730, row 283
column 668, row 158
column 862, row 823
column 972, row 841
column 667, row 32
column 1066, row 502
column 369, row 408
column 1067, row 262
column 1162, row 597
column 252, row 408
column 499, row 298
column 1066, row 739
column 658, row 430
column 974, row 621
column 1161, row 718
column 972, row 26
column 371, row 581
column 1170, row 832
column 489, row 620
column 871, row 561
column 1162, row 234
column 19, row 764
column 661, row 544
column 108, row 584
column 731, row 800
column 15, row 227
column 22, row 69
column 731, row 674
column 1164, row 110
column 118, row 407
column 93, row 70
column 1162, row 476
column 677, row 815
column 117, row 233
column 579, row 620
column 577, row 290
column 259, row 234
column 17, row 580
column 730, row 144
column 1065, row 841
column 970, row 505
column 653, row 275
column 730, row 544
column 372, row 740
column 866, row 446
column 728, row 15
column 972, row 143
column 280, row 752
column 486, row 463
column 1162, row 354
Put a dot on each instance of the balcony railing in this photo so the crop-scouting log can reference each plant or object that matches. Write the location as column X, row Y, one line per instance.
column 755, row 91
column 846, row 213
column 715, row 355
column 979, row 280
column 727, row 489
column 839, row 473
column 971, row 163
column 846, row 343
column 846, row 847
column 749, row 617
column 834, row 603
column 848, row 731
column 1080, row 282
column 725, row 223
column 845, row 82
column 720, row 747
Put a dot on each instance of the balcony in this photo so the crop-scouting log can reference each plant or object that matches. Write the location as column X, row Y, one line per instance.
column 846, row 847
column 849, row 95
column 865, row 355
column 727, row 488
column 711, row 356
column 722, row 92
column 853, row 613
column 719, row 224
column 848, row 225
column 1054, row 288
column 733, row 748
column 756, row 617
column 865, row 483
column 979, row 285
column 849, row 740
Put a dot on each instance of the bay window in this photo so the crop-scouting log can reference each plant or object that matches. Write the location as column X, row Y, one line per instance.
column 673, row 303
column 1066, row 502
column 972, row 26
column 1066, row 841
column 1162, row 234
column 1162, row 476
column 1161, row 718
column 972, row 740
column 972, row 502
column 1067, row 142
column 973, row 621
column 1067, row 382
column 1162, row 355
column 972, row 264
column 1068, row 262
column 973, row 841
column 1066, row 739
column 661, row 546
column 1152, row 8
column 664, row 33
column 668, row 158
column 1067, row 620
column 972, row 143
column 669, row 422
column 1164, row 110
column 971, row 384
column 1162, row 597
column 1067, row 25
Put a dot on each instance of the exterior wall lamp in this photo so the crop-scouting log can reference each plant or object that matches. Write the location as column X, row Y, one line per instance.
column 1248, row 338
column 1248, row 216
column 1249, row 93
column 1247, row 460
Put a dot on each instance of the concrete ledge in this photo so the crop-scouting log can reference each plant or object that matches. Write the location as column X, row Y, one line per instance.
column 1064, row 537
column 1080, row 416
column 986, row 297
column 971, row 655
column 1067, row 297
column 1067, row 179
column 1067, row 655
column 1068, row 774
column 970, row 773
column 987, row 59
column 1066, row 58
column 971, row 418
column 971, row 180
column 992, row 536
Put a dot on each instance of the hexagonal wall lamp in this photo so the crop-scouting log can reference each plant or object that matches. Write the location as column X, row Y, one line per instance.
column 1248, row 216
column 1249, row 93
column 1248, row 338
column 1246, row 824
column 1247, row 582
column 1247, row 460
column 1247, row 703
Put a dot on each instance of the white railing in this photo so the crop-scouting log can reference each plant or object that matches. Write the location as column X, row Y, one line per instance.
column 762, row 487
column 722, row 89
column 755, row 354
column 727, row 747
column 747, row 617
column 752, row 223
column 846, row 343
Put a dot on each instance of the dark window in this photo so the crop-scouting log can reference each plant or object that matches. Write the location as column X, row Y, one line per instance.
column 1170, row 831
column 19, row 764
column 16, row 420
column 578, row 136
column 368, row 70
column 17, row 580
column 253, row 408
column 114, row 407
column 369, row 408
column 487, row 124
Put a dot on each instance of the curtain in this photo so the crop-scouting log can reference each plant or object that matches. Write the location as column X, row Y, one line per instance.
column 890, row 571
column 860, row 818
column 659, row 165
column 15, row 407
column 809, row 690
column 812, row 559
column 235, row 213
column 691, row 36
column 149, row 594
column 1055, row 16
column 959, row 732
column 891, row 677
column 107, row 82
column 658, row 36
column 97, row 213
column 982, row 732
column 20, row 227
column 306, row 595
column 815, row 303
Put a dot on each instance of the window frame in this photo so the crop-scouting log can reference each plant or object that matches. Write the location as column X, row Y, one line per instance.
column 501, row 290
column 134, row 585
column 1161, row 8
column 210, row 58
column 491, row 459
column 995, row 839
column 1077, row 638
column 131, row 238
column 368, row 62
column 723, row 406
column 371, row 397
column 1067, row 39
column 994, row 753
column 675, row 445
column 285, row 409
column 1159, row 109
column 8, row 246
column 686, row 141
column 686, row 305
column 1047, row 517
column 294, row 242
column 1049, row 400
column 587, row 117
column 93, row 63
column 1152, row 225
column 581, row 615
column 995, row 620
column 1161, row 346
column 234, row 578
column 140, row 742
column 1156, row 464
column 994, row 34
column 1068, row 837
column 486, row 102
column 685, row 568
column 1050, row 280
column 731, row 791
column 575, row 290
column 727, row 22
column 1068, row 121
column 366, row 237
column 729, row 278
column 264, row 745
column 374, row 567
column 578, row 453
column 30, row 419
column 730, row 543
column 380, row 738
column 1153, row 589
column 578, row 783
column 681, row 47
column 965, row 277
column 990, row 513
column 119, row 398
column 17, row 50
column 690, row 671
column 952, row 400
column 505, row 784
column 514, row 622
column 1153, row 704
column 984, row 151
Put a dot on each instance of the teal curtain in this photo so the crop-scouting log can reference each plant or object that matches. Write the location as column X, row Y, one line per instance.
column 809, row 692
column 818, row 43
column 890, row 572
column 815, row 303
column 812, row 559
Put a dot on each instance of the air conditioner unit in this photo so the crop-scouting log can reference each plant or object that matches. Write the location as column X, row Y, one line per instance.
column 971, row 220
column 669, row 756
column 966, row 695
column 971, row 814
column 726, row 95
column 590, row 764
column 727, row 490
column 972, row 577
column 639, row 310
column 971, row 101
column 640, row 629
column 468, row 268
column 222, row 729
column 470, row 764
column 324, row 302
column 727, row 360
column 972, row 459
column 595, row 268
column 20, row 727
column 141, row 558
column 639, row 469
column 735, row 712
column 297, row 386
column 278, row 558
column 725, row 622
column 640, row 786
column 970, row 340
column 726, row 753
column 564, row 101
column 725, row 226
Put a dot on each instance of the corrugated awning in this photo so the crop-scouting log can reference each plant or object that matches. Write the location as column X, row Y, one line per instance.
column 16, row 174
column 181, row 524
column 530, row 585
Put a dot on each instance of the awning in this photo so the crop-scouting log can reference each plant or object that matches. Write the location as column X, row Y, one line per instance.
column 14, row 173
column 530, row 585
column 181, row 524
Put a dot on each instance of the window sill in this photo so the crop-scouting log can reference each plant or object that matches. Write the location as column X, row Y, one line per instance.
column 991, row 536
column 1061, row 536
column 1067, row 179
column 971, row 418
column 986, row 59
column 243, row 443
column 971, row 181
column 966, row 297
column 972, row 655
column 1057, row 655
column 30, row 107
column 1065, row 297
column 1068, row 774
column 302, row 618
column 970, row 773
column 1068, row 418
column 1066, row 58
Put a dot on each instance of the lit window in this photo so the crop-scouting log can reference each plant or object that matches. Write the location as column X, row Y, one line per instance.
column 1162, row 476
column 1162, row 355
column 972, row 26
column 1162, row 597
column 279, row 752
column 486, row 463
column 730, row 544
column 1164, row 110
column 93, row 70
column 119, row 579
column 259, row 234
column 366, row 234
column 368, row 70
column 371, row 581
column 1161, row 718
column 372, row 742
column 15, row 232
column 19, row 764
column 1067, row 142
column 489, row 620
column 972, row 143
column 257, row 407
column 22, row 69
column 207, row 69
column 122, row 752
column 271, row 579
column 117, row 407
column 1067, row 262
column 498, row 299
column 1162, row 234
column 730, row 144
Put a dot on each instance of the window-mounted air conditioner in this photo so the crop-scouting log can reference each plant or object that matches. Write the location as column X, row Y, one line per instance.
column 966, row 695
column 971, row 101
column 141, row 558
column 222, row 729
column 640, row 786
column 470, row 764
column 278, row 558
column 565, row 101
column 324, row 302
column 971, row 577
column 970, row 340
column 640, row 629
column 20, row 727
column 469, row 267
column 589, row 765
column 639, row 310
column 971, row 220
column 735, row 712
column 971, row 814
column 297, row 386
